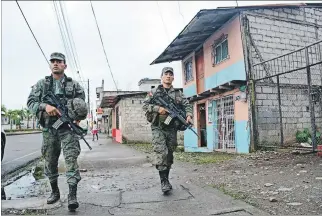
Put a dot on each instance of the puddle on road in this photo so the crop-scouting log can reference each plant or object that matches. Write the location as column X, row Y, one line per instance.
column 30, row 183
column 26, row 186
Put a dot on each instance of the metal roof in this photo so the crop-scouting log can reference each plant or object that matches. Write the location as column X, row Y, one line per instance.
column 204, row 24
column 111, row 101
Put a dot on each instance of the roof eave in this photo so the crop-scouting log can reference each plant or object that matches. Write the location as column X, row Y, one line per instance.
column 194, row 18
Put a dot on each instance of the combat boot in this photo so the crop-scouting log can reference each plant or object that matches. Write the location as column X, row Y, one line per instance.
column 72, row 198
column 55, row 195
column 165, row 186
column 168, row 171
column 3, row 194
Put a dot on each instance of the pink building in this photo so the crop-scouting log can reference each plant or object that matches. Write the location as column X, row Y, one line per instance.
column 216, row 49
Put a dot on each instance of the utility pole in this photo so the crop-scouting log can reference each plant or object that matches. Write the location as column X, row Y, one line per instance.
column 88, row 98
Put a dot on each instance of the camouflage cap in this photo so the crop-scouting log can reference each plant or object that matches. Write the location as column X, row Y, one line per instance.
column 167, row 69
column 57, row 55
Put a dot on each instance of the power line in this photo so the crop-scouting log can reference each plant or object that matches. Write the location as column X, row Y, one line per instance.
column 103, row 46
column 33, row 33
column 71, row 41
column 181, row 12
column 77, row 58
column 165, row 28
column 62, row 33
column 67, row 38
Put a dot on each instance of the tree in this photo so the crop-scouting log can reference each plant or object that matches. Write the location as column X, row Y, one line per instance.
column 4, row 109
column 22, row 114
column 13, row 116
column 28, row 115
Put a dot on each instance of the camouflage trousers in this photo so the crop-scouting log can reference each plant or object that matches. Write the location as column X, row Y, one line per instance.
column 164, row 143
column 53, row 142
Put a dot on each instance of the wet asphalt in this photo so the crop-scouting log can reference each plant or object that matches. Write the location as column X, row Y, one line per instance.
column 19, row 150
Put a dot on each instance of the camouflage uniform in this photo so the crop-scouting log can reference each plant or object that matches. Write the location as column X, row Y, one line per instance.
column 164, row 137
column 53, row 139
column 63, row 138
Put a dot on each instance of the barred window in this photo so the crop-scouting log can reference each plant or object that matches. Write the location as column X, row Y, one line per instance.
column 220, row 50
column 188, row 70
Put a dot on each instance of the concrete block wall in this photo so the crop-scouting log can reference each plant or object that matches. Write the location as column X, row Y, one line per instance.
column 276, row 32
column 135, row 127
column 295, row 110
column 280, row 31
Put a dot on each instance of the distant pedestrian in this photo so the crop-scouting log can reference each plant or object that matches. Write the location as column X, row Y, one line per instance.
column 95, row 130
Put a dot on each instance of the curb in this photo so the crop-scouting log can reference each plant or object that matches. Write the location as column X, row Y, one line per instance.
column 22, row 133
column 9, row 174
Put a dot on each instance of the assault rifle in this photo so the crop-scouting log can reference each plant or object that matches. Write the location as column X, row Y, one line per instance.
column 53, row 100
column 174, row 112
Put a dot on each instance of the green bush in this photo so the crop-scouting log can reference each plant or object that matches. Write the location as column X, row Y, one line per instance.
column 305, row 136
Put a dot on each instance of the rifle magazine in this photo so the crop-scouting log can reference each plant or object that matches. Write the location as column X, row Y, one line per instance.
column 57, row 124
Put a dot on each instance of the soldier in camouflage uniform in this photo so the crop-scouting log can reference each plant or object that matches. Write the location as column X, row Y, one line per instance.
column 164, row 137
column 54, row 140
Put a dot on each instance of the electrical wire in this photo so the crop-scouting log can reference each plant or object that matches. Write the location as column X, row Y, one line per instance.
column 103, row 46
column 181, row 12
column 33, row 33
column 59, row 20
column 165, row 28
column 71, row 41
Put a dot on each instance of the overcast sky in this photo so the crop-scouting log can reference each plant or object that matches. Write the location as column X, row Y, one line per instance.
column 132, row 32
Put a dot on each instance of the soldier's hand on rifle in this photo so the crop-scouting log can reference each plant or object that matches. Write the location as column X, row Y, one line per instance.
column 52, row 111
column 189, row 119
column 162, row 111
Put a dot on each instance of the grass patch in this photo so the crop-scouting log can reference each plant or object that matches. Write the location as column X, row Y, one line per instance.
column 192, row 157
column 235, row 194
column 146, row 147
column 203, row 158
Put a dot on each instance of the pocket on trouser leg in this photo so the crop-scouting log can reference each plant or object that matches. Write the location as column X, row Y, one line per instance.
column 160, row 150
column 71, row 150
column 50, row 151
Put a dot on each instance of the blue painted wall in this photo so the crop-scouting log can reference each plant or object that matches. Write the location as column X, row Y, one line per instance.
column 190, row 139
column 189, row 91
column 210, row 137
column 242, row 136
column 234, row 72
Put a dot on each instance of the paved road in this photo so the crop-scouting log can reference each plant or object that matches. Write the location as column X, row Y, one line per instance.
column 20, row 149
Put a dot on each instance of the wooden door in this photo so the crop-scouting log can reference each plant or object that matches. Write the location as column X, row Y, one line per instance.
column 200, row 72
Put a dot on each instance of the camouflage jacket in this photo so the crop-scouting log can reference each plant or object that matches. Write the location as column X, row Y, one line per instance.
column 176, row 95
column 66, row 88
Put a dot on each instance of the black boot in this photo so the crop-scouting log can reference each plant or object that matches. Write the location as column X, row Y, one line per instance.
column 72, row 198
column 3, row 194
column 165, row 186
column 55, row 195
column 168, row 171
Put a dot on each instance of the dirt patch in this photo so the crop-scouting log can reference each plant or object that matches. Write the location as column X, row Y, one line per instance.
column 276, row 182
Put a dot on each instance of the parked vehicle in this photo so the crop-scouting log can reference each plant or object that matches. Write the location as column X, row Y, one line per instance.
column 3, row 146
column 3, row 142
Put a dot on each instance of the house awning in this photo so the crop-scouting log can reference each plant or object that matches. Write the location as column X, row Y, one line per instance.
column 204, row 24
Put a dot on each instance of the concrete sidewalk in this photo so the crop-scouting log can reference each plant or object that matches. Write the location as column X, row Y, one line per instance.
column 119, row 180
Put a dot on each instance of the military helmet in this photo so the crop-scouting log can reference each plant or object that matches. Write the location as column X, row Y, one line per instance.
column 77, row 109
